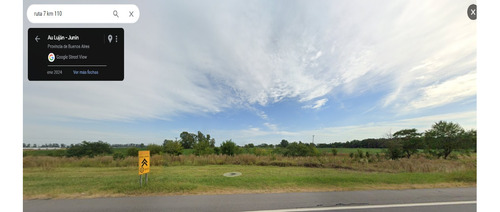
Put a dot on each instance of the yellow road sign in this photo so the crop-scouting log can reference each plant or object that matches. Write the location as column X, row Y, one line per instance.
column 144, row 162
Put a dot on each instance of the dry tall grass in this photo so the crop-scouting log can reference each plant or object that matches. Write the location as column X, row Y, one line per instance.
column 415, row 164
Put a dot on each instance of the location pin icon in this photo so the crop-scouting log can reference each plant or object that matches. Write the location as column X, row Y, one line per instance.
column 110, row 38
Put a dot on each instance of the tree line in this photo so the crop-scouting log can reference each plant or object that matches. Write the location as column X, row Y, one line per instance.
column 51, row 145
column 443, row 138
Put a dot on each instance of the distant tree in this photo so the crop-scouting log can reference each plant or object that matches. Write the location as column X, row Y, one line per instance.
column 24, row 145
column 410, row 141
column 172, row 147
column 469, row 140
column 284, row 143
column 250, row 145
column 89, row 149
column 154, row 149
column 133, row 152
column 263, row 145
column 187, row 140
column 217, row 150
column 444, row 137
column 323, row 145
column 228, row 148
column 200, row 137
column 211, row 141
column 63, row 145
column 202, row 148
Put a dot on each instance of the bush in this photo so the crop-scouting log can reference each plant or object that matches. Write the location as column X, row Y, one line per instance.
column 228, row 148
column 394, row 151
column 217, row 150
column 351, row 155
column 301, row 149
column 202, row 148
column 284, row 143
column 133, row 152
column 172, row 147
column 360, row 154
column 260, row 152
column 89, row 149
column 118, row 156
column 278, row 150
column 57, row 153
column 154, row 149
column 334, row 152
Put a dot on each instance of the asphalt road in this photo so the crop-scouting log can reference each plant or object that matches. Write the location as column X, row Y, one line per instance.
column 442, row 200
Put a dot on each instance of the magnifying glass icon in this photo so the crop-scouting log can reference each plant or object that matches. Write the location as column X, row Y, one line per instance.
column 115, row 13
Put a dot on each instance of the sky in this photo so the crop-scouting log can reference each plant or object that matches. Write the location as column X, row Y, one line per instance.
column 262, row 71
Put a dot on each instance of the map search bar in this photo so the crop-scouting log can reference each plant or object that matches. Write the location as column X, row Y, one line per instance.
column 82, row 13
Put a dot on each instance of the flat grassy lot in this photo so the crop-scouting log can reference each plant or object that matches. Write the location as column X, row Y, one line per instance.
column 88, row 182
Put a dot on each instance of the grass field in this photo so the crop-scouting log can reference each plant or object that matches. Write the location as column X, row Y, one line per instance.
column 102, row 176
column 87, row 182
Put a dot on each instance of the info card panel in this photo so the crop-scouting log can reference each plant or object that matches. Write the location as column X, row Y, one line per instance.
column 75, row 54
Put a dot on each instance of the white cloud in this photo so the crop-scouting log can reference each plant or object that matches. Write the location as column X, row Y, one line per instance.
column 272, row 127
column 315, row 57
column 447, row 92
column 199, row 57
column 317, row 104
column 264, row 53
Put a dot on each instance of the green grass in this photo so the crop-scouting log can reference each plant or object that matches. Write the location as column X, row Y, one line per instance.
column 72, row 182
column 42, row 152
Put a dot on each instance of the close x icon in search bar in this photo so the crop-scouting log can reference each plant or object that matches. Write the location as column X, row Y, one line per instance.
column 82, row 13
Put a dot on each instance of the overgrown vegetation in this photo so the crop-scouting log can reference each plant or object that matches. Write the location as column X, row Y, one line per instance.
column 89, row 149
column 229, row 148
column 172, row 147
column 441, row 156
column 417, row 163
column 440, row 141
column 301, row 149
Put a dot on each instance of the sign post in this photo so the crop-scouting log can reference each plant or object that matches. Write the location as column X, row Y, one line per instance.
column 144, row 164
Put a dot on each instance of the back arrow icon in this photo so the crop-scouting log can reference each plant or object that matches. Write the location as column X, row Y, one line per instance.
column 37, row 38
